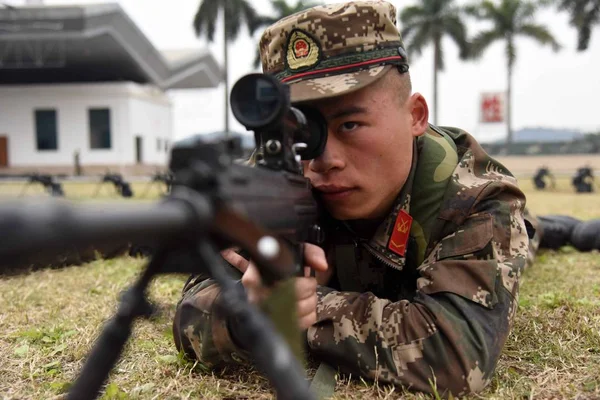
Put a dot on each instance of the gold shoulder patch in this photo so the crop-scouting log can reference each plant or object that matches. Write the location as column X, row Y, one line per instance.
column 302, row 51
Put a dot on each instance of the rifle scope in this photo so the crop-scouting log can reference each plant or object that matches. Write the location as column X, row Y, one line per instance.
column 261, row 103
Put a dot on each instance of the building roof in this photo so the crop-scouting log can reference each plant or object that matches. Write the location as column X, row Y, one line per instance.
column 90, row 43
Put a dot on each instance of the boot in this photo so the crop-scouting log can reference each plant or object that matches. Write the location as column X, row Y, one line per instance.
column 586, row 235
column 557, row 230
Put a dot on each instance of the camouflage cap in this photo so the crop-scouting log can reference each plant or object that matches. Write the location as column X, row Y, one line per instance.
column 333, row 49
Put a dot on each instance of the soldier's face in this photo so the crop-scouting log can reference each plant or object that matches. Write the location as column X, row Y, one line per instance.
column 369, row 149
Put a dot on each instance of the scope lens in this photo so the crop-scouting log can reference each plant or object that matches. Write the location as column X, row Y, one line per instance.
column 256, row 100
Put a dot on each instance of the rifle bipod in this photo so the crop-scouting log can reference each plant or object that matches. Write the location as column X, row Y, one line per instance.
column 269, row 350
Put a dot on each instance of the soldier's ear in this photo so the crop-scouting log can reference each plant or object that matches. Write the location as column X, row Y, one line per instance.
column 419, row 114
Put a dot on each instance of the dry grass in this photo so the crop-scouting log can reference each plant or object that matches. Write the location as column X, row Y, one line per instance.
column 561, row 200
column 50, row 318
column 75, row 190
column 558, row 163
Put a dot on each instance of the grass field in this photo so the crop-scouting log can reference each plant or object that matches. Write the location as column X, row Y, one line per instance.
column 81, row 190
column 50, row 318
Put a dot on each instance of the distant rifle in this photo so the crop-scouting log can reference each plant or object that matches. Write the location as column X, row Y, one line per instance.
column 539, row 180
column 122, row 187
column 267, row 210
column 583, row 181
column 53, row 187
column 164, row 178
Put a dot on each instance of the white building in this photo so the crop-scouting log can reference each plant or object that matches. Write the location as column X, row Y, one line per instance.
column 85, row 79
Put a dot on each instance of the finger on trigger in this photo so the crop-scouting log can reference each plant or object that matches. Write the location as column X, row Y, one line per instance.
column 251, row 277
column 314, row 256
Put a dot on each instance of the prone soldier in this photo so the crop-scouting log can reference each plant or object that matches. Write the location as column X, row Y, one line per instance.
column 427, row 237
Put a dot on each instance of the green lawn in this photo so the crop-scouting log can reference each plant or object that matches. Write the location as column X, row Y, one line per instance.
column 50, row 318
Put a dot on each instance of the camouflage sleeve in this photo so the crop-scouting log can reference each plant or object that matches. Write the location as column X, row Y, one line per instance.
column 452, row 333
column 200, row 330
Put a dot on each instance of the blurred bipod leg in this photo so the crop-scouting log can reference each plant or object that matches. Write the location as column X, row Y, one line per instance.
column 115, row 334
column 257, row 332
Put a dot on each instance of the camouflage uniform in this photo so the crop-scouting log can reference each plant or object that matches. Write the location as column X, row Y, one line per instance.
column 432, row 292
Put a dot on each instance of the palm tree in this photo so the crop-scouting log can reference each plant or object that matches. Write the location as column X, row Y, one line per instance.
column 510, row 18
column 235, row 14
column 584, row 15
column 427, row 23
column 282, row 10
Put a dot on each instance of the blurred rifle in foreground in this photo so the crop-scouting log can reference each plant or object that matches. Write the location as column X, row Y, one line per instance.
column 267, row 210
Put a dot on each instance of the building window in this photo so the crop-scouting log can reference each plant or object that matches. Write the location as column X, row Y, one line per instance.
column 46, row 132
column 99, row 122
column 158, row 144
column 166, row 145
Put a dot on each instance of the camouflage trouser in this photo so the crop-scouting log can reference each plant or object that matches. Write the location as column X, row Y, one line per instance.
column 203, row 334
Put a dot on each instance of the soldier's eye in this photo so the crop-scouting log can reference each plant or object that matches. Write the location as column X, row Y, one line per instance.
column 348, row 126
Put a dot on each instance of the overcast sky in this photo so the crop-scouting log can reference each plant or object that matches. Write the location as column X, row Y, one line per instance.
column 558, row 90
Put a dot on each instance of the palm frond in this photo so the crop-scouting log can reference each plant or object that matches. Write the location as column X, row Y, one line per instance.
column 281, row 6
column 584, row 33
column 456, row 29
column 525, row 13
column 583, row 14
column 540, row 34
column 233, row 18
column 481, row 10
column 409, row 14
column 408, row 31
column 303, row 5
column 592, row 17
column 204, row 20
column 237, row 14
column 482, row 41
column 250, row 16
column 420, row 39
column 262, row 21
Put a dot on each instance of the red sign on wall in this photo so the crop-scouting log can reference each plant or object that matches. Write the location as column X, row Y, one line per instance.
column 492, row 107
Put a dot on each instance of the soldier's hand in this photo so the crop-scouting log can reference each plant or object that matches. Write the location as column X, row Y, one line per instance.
column 315, row 259
column 306, row 287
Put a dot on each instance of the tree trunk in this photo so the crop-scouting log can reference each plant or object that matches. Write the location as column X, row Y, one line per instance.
column 226, row 68
column 509, row 136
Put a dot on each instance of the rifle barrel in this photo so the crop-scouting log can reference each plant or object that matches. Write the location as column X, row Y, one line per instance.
column 44, row 228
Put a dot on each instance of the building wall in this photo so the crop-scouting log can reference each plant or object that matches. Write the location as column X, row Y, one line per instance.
column 153, row 122
column 134, row 110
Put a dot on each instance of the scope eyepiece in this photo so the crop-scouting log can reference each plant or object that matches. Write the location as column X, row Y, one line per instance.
column 311, row 129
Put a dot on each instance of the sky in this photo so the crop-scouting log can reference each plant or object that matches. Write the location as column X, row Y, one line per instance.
column 550, row 89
